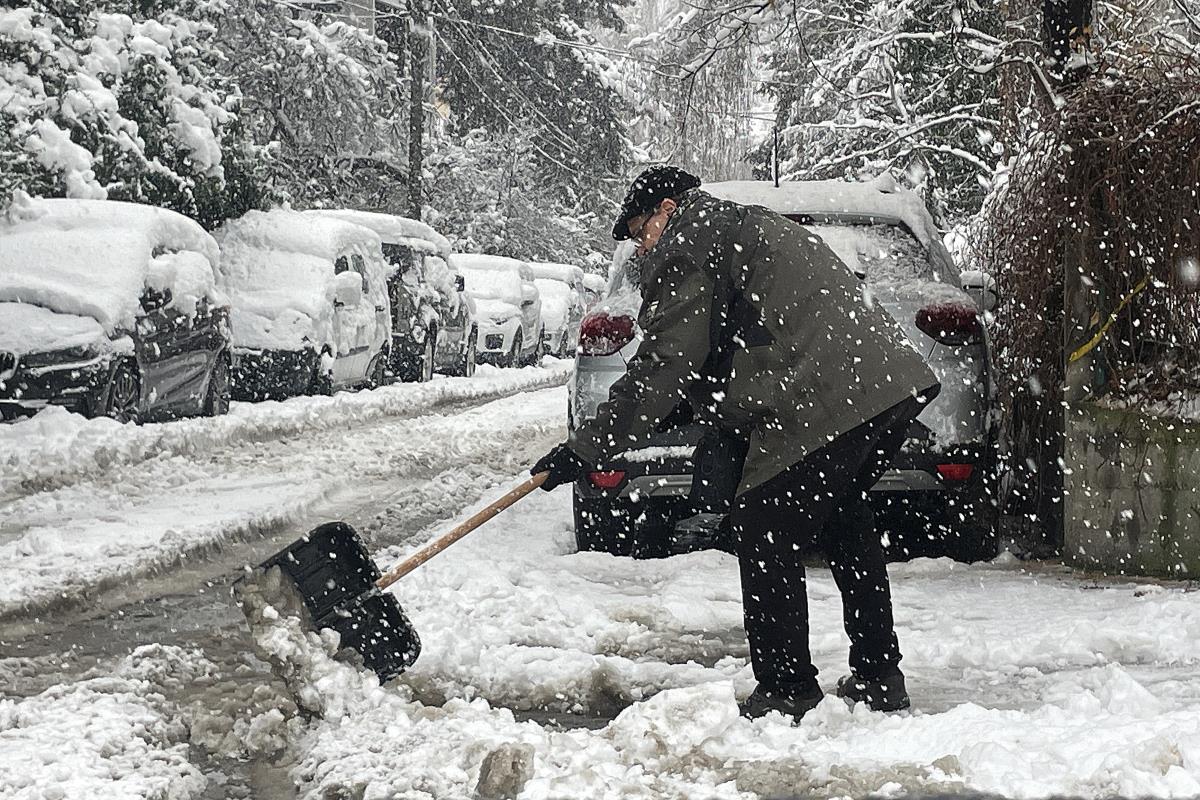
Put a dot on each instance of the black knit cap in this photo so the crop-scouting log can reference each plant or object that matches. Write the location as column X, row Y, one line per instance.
column 648, row 190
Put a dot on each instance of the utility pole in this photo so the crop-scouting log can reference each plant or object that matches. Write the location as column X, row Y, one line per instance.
column 417, row 22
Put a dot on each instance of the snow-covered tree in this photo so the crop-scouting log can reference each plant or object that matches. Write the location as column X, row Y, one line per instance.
column 325, row 95
column 486, row 195
column 503, row 67
column 874, row 86
column 113, row 100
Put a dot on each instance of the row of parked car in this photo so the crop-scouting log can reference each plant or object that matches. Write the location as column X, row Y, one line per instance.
column 136, row 313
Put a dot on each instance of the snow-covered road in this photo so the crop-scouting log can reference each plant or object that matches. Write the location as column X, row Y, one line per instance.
column 88, row 504
column 598, row 677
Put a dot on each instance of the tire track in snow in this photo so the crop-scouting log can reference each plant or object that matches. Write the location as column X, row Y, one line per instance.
column 56, row 448
column 166, row 513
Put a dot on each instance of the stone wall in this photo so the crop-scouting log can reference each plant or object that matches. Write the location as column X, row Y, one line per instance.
column 1132, row 493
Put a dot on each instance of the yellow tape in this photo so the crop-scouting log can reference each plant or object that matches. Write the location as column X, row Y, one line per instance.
column 1095, row 340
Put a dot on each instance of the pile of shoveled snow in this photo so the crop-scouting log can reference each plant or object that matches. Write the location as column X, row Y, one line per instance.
column 110, row 736
column 1024, row 685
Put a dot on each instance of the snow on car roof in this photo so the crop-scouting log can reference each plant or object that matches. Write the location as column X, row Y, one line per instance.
column 289, row 231
column 94, row 258
column 565, row 273
column 880, row 199
column 493, row 283
column 480, row 261
column 393, row 229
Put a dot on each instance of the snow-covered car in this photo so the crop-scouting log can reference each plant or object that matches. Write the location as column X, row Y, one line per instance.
column 944, row 476
column 433, row 317
column 308, row 304
column 110, row 308
column 594, row 289
column 562, row 292
column 509, row 308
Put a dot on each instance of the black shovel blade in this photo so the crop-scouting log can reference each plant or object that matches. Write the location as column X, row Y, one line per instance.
column 335, row 576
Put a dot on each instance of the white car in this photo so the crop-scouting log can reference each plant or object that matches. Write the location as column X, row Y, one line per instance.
column 308, row 304
column 433, row 317
column 562, row 290
column 509, row 308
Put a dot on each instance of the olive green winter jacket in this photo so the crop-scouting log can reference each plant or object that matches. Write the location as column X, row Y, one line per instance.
column 811, row 359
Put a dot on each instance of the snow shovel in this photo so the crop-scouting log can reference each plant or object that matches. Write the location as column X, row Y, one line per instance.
column 332, row 573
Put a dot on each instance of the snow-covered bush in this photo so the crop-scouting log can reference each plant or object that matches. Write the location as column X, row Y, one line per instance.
column 100, row 100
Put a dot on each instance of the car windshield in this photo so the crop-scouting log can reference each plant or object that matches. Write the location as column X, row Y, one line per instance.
column 879, row 253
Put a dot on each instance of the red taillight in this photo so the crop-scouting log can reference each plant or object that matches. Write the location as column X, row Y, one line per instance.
column 956, row 473
column 951, row 323
column 609, row 479
column 601, row 334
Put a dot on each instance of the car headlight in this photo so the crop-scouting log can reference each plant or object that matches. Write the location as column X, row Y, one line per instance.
column 67, row 355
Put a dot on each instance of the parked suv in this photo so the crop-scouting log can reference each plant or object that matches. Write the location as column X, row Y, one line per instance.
column 110, row 309
column 509, row 309
column 944, row 477
column 433, row 317
column 562, row 292
column 308, row 304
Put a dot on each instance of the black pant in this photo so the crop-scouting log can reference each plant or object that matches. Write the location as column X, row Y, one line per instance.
column 820, row 501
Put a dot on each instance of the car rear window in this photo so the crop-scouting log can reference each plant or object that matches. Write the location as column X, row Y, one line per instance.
column 879, row 253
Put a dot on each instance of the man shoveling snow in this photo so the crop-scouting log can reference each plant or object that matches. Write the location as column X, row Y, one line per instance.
column 755, row 329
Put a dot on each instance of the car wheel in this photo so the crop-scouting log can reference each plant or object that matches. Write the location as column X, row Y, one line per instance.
column 563, row 344
column 216, row 401
column 124, row 393
column 376, row 373
column 428, row 353
column 514, row 357
column 970, row 531
column 602, row 526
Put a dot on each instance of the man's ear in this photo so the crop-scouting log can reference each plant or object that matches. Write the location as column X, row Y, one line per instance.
column 668, row 205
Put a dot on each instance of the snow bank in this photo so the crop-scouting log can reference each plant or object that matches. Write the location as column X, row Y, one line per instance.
column 278, row 270
column 94, row 258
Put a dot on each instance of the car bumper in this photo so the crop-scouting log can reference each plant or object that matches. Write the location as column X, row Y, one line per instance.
column 912, row 474
column 76, row 386
column 496, row 339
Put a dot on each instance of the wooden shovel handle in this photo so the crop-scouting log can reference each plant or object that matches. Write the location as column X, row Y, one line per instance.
column 441, row 543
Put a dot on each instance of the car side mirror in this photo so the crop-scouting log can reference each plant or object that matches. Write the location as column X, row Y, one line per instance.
column 155, row 299
column 347, row 289
column 982, row 288
column 460, row 283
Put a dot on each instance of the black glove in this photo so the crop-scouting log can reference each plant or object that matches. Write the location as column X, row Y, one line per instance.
column 562, row 464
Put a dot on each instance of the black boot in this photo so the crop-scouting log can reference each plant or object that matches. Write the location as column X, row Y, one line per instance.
column 885, row 693
column 795, row 700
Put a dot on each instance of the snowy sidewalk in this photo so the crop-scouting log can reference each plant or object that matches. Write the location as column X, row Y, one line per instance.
column 86, row 504
column 1025, row 684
